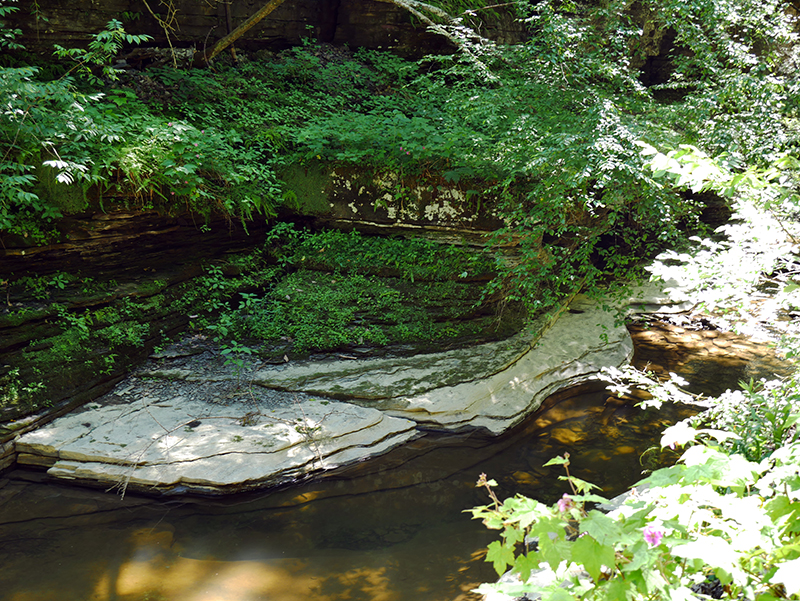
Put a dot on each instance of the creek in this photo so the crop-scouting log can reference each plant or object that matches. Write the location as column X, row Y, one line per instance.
column 389, row 529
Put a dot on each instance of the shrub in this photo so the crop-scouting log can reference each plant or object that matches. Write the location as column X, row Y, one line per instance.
column 715, row 522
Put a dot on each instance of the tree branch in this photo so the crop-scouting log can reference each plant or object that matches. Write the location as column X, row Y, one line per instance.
column 202, row 58
column 455, row 30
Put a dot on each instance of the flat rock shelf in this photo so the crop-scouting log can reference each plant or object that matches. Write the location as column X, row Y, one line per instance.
column 183, row 423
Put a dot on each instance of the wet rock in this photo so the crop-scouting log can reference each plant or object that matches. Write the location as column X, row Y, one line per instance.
column 712, row 361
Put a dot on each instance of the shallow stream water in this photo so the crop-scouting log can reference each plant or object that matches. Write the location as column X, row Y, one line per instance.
column 390, row 529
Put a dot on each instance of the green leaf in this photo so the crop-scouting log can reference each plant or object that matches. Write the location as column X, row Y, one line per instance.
column 654, row 581
column 589, row 498
column 528, row 511
column 580, row 485
column 787, row 551
column 559, row 594
column 788, row 574
column 525, row 564
column 553, row 548
column 592, row 555
column 501, row 556
column 640, row 557
column 617, row 589
column 601, row 527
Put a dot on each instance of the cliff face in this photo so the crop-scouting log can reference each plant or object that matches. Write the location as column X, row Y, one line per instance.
column 358, row 23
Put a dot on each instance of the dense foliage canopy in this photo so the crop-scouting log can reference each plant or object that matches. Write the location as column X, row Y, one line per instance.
column 552, row 128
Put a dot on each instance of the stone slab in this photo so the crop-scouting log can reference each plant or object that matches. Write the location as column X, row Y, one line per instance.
column 173, row 434
column 196, row 446
column 492, row 386
column 377, row 379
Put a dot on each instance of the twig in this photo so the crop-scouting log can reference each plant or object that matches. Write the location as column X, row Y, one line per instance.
column 166, row 25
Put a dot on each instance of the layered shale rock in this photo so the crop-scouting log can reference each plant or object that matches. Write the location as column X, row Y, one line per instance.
column 184, row 423
column 177, row 444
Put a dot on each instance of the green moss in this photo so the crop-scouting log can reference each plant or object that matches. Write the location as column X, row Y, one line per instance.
column 18, row 317
column 307, row 186
column 316, row 311
column 68, row 198
column 151, row 287
column 413, row 259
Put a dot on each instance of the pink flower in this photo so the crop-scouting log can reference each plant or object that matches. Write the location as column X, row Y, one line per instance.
column 565, row 503
column 653, row 535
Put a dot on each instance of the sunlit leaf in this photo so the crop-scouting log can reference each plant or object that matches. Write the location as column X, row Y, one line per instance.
column 592, row 555
column 788, row 574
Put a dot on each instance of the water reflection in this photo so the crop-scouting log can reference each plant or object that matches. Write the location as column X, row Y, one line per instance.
column 385, row 530
column 391, row 529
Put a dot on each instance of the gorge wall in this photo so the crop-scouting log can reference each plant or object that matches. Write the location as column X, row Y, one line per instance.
column 358, row 23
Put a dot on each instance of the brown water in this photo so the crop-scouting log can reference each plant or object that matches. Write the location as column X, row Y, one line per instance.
column 392, row 529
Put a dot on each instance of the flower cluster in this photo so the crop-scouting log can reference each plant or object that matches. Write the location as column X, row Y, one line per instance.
column 565, row 503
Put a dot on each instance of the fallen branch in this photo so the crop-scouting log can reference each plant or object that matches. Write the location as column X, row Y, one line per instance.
column 201, row 58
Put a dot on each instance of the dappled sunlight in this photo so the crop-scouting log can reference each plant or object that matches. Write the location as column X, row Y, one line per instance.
column 193, row 442
column 186, row 579
column 169, row 441
column 339, row 576
column 253, row 560
column 358, row 583
column 516, row 383
column 392, row 534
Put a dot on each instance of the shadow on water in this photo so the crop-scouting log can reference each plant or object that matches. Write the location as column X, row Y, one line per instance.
column 391, row 529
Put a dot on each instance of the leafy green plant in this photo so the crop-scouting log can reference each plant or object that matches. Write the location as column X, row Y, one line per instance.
column 8, row 36
column 177, row 161
column 14, row 392
column 112, row 141
column 234, row 353
column 413, row 259
column 714, row 521
column 103, row 47
column 318, row 311
column 763, row 416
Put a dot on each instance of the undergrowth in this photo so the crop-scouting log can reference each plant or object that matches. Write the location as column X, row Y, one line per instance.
column 550, row 138
column 330, row 290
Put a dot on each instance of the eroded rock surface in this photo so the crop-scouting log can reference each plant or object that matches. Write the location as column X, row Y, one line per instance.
column 178, row 443
column 187, row 422
column 492, row 386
